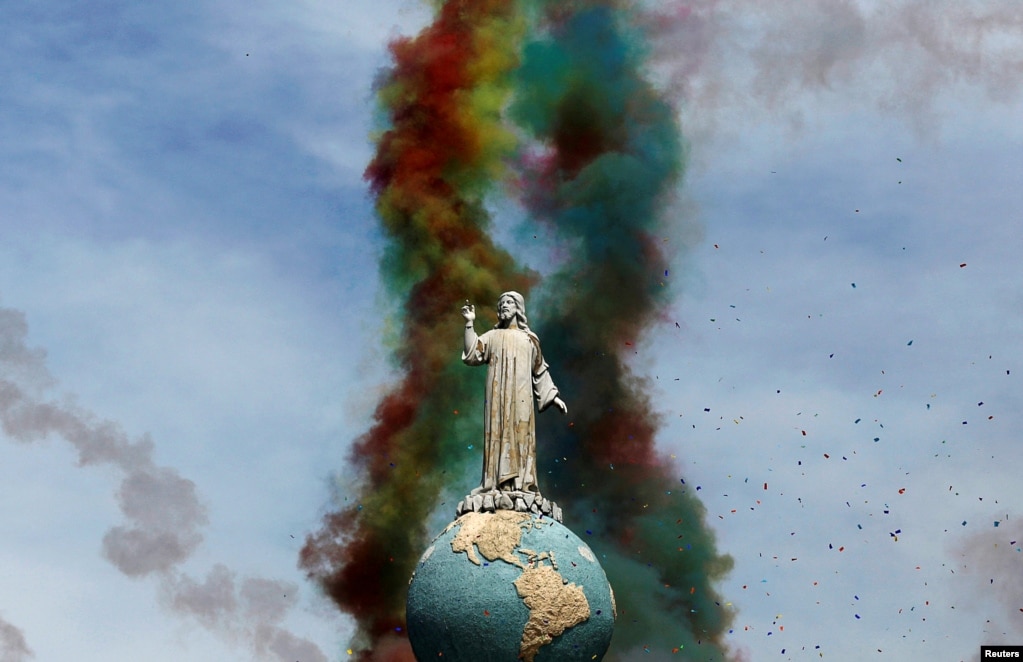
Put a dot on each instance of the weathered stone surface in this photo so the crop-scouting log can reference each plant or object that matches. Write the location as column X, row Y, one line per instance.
column 510, row 425
column 510, row 500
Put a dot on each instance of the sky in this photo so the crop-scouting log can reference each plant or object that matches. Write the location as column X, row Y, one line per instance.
column 192, row 325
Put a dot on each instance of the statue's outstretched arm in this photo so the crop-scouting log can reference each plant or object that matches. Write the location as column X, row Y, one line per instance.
column 469, row 313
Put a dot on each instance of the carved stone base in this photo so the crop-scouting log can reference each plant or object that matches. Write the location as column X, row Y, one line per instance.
column 522, row 502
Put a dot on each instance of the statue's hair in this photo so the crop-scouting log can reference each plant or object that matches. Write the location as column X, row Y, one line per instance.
column 520, row 316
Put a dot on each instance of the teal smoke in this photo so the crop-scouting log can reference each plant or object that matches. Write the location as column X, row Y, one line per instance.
column 608, row 155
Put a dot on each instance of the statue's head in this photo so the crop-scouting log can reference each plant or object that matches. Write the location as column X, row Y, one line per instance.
column 512, row 306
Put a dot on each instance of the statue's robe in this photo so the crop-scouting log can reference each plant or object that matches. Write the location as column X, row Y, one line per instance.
column 516, row 376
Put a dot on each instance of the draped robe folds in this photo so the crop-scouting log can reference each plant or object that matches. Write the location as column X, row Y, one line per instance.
column 516, row 376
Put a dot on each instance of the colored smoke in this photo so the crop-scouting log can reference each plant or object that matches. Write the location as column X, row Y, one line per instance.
column 608, row 158
column 162, row 510
column 444, row 147
column 601, row 162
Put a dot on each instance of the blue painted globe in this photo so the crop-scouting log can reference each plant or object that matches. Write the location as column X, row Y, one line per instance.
column 506, row 586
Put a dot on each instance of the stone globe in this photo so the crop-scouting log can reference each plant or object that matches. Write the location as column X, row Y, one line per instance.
column 506, row 586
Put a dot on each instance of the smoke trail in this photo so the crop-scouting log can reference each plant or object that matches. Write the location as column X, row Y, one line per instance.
column 250, row 612
column 162, row 509
column 13, row 647
column 610, row 154
column 729, row 58
column 445, row 145
column 993, row 563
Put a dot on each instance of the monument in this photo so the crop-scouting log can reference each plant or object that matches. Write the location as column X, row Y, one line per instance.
column 506, row 580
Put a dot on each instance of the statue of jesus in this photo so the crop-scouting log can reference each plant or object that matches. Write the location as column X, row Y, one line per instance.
column 516, row 376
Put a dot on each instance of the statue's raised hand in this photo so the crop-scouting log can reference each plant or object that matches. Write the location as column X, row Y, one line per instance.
column 469, row 312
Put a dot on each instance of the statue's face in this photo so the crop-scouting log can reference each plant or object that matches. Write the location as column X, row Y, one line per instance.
column 506, row 308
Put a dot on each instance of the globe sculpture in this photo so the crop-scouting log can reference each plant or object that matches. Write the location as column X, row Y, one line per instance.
column 507, row 586
column 506, row 580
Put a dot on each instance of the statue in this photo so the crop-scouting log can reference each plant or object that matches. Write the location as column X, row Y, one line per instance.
column 517, row 376
column 506, row 580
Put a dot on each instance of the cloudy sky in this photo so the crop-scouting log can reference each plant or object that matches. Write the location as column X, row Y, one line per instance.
column 191, row 322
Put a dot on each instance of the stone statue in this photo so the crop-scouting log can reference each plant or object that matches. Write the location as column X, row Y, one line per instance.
column 517, row 376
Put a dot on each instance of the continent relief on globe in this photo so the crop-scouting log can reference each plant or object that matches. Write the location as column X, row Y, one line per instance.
column 554, row 604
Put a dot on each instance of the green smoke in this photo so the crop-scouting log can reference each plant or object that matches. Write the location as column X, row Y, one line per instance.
column 607, row 157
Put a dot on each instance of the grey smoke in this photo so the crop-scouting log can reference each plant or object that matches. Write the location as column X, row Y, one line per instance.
column 162, row 511
column 727, row 58
column 165, row 511
column 12, row 644
column 992, row 566
column 249, row 611
column 162, row 508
